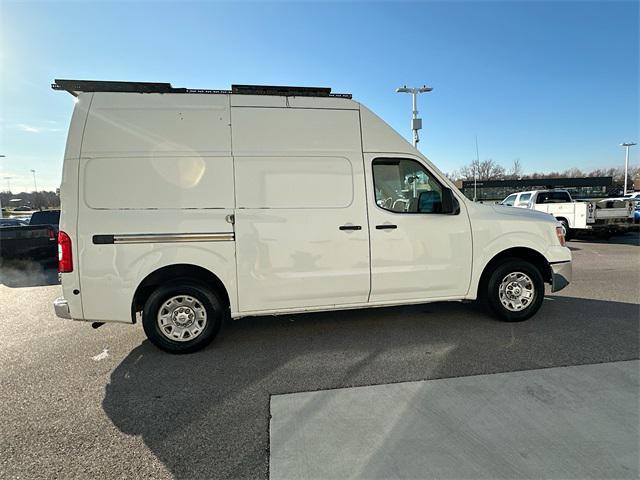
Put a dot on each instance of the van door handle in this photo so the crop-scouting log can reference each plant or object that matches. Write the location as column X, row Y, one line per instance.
column 386, row 226
column 350, row 227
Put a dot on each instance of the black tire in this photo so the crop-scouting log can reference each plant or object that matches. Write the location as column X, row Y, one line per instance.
column 491, row 290
column 204, row 298
column 568, row 233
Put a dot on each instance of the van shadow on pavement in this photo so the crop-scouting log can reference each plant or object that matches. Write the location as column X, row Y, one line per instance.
column 206, row 415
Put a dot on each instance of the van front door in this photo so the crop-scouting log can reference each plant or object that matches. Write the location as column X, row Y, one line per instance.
column 301, row 232
column 417, row 252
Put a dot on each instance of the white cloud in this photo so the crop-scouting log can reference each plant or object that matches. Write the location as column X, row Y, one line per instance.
column 32, row 129
column 28, row 128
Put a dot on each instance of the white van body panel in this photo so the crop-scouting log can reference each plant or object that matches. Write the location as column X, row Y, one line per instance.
column 299, row 178
column 378, row 136
column 255, row 190
column 69, row 198
column 152, row 165
column 426, row 256
column 139, row 125
column 112, row 273
column 497, row 229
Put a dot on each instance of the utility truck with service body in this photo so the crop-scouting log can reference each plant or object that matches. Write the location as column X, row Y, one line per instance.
column 181, row 208
column 604, row 217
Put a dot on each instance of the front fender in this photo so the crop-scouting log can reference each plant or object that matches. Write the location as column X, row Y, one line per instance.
column 498, row 230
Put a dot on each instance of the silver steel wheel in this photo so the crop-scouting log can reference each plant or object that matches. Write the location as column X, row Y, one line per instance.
column 516, row 291
column 182, row 318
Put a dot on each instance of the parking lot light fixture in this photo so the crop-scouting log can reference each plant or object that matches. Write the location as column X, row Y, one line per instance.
column 626, row 145
column 35, row 185
column 416, row 123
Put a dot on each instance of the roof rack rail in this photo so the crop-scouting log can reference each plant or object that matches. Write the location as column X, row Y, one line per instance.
column 286, row 91
column 74, row 87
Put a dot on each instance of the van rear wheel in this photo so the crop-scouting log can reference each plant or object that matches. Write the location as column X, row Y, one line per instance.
column 514, row 291
column 182, row 317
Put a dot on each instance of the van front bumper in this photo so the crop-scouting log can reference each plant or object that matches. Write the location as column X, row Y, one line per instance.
column 561, row 273
column 61, row 306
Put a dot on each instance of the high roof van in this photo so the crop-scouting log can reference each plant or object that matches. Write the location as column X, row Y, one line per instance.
column 182, row 208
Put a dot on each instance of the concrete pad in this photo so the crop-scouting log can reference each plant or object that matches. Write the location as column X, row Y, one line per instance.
column 567, row 422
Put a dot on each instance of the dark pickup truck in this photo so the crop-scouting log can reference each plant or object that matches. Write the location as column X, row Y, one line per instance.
column 35, row 241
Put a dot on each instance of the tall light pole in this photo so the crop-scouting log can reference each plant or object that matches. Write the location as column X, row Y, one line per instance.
column 475, row 171
column 35, row 185
column 1, row 156
column 416, row 123
column 626, row 145
column 8, row 179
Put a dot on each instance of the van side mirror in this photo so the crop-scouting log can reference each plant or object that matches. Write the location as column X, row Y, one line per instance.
column 429, row 202
column 433, row 202
column 450, row 205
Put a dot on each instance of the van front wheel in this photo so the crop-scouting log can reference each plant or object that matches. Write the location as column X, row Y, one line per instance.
column 182, row 317
column 515, row 290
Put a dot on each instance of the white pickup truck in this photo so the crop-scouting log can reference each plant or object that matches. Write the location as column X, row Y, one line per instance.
column 604, row 217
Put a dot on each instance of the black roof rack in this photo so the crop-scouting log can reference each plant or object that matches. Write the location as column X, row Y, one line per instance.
column 286, row 91
column 76, row 86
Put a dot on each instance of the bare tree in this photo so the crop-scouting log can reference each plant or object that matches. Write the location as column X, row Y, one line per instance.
column 484, row 170
column 491, row 170
column 573, row 173
column 516, row 170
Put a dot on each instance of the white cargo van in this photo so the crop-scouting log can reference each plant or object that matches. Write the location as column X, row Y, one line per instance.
column 181, row 208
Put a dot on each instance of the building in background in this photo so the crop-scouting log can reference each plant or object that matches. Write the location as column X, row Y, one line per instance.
column 497, row 190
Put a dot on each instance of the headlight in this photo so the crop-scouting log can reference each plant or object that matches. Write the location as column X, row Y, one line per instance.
column 560, row 233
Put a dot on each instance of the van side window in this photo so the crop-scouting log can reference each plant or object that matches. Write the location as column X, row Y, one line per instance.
column 405, row 186
column 510, row 200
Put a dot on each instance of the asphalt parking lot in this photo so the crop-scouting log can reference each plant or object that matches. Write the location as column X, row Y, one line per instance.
column 84, row 403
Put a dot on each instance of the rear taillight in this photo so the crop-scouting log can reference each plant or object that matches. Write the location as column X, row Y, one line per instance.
column 52, row 233
column 65, row 260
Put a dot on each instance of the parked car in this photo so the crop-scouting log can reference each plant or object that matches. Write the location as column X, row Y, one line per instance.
column 30, row 239
column 603, row 217
column 23, row 208
column 28, row 242
column 46, row 217
column 13, row 222
column 312, row 204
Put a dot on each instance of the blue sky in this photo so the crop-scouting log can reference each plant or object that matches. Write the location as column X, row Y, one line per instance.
column 554, row 84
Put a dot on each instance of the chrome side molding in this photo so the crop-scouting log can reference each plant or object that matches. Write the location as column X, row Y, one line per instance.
column 163, row 238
